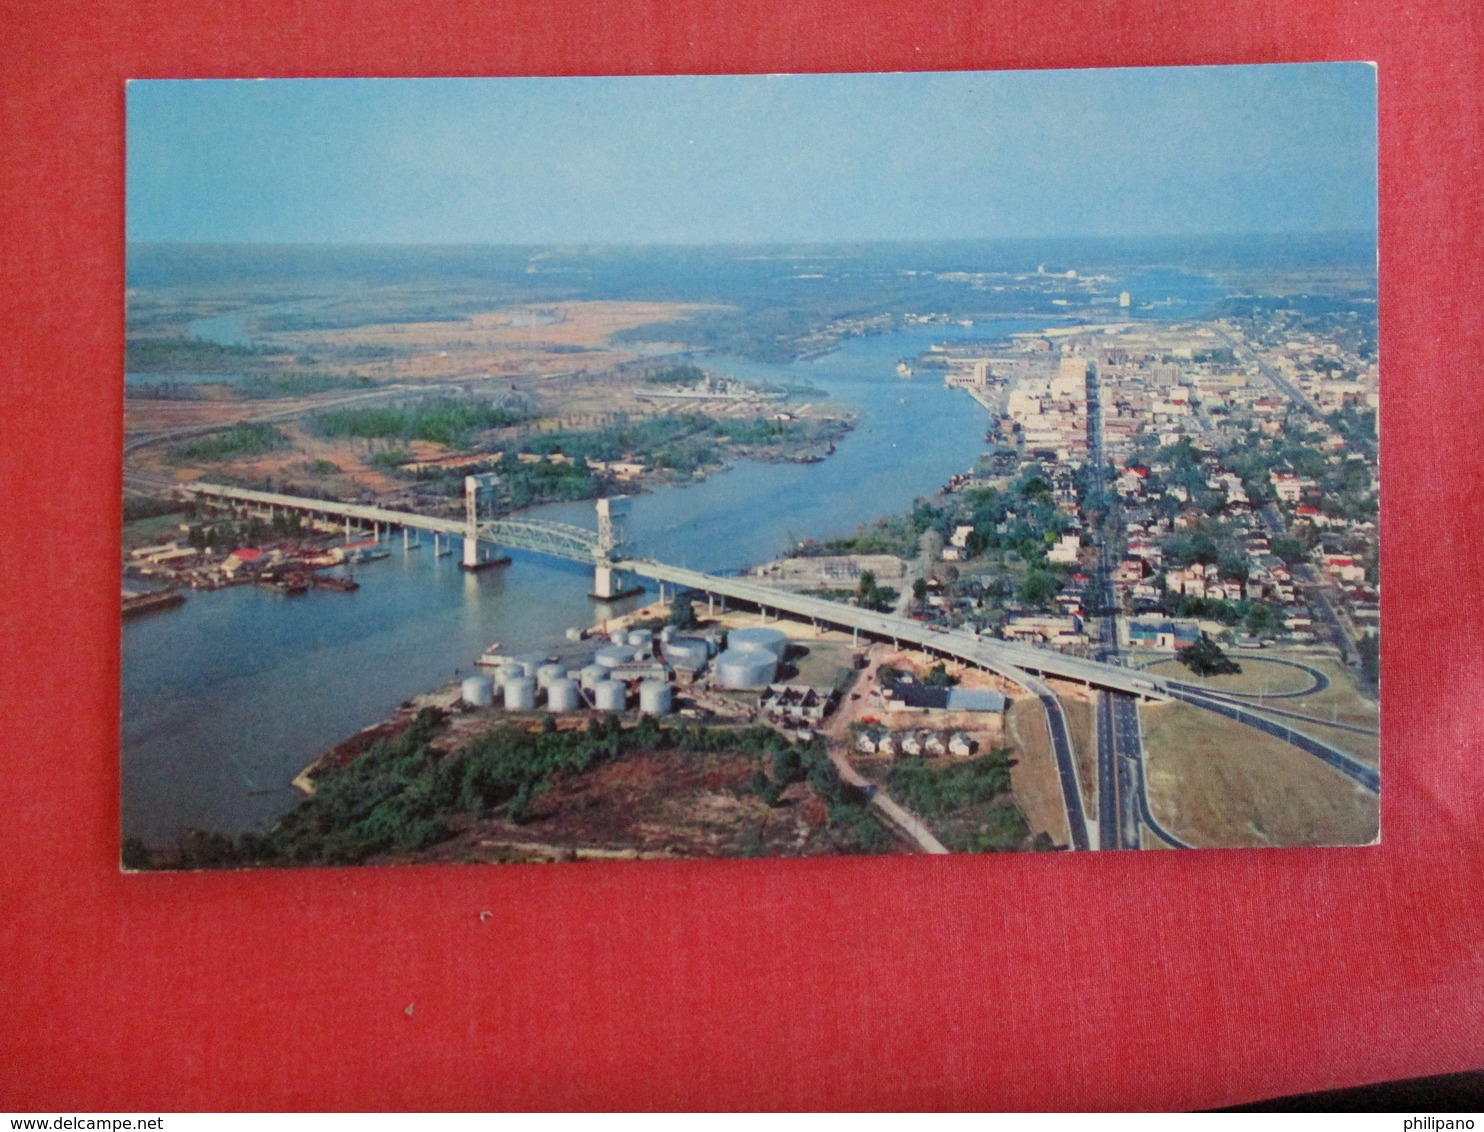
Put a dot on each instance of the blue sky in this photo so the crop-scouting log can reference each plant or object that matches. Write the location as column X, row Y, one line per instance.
column 742, row 159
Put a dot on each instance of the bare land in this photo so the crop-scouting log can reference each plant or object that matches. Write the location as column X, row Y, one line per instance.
column 821, row 662
column 649, row 804
column 536, row 340
column 156, row 529
column 551, row 363
column 341, row 467
column 217, row 407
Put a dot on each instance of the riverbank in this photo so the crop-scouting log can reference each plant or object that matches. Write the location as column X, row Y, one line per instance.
column 228, row 698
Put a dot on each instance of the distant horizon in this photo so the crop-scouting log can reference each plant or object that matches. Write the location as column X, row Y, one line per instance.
column 721, row 160
column 582, row 245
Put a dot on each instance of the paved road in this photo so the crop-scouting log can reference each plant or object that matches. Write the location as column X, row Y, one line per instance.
column 1014, row 661
column 1321, row 681
column 1135, row 797
column 1140, row 785
column 1120, row 747
column 1315, row 588
column 1066, row 766
column 1342, row 762
column 1356, row 727
column 908, row 822
column 1010, row 659
column 1269, row 514
column 561, row 540
column 141, row 483
column 1239, row 349
column 1109, row 832
column 1121, row 761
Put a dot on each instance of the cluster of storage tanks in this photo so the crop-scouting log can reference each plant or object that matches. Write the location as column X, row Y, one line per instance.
column 751, row 659
column 750, row 662
column 562, row 690
column 523, row 682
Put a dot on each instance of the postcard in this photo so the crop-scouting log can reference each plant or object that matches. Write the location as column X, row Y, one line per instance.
column 540, row 470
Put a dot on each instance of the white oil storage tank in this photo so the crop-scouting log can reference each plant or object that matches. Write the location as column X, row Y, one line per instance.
column 619, row 637
column 611, row 656
column 639, row 638
column 547, row 673
column 745, row 668
column 654, row 697
column 520, row 694
column 610, row 695
column 759, row 636
column 478, row 691
column 562, row 695
column 591, row 675
column 508, row 672
column 687, row 652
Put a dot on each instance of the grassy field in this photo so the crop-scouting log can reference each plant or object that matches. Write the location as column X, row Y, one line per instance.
column 1258, row 675
column 1217, row 783
column 1033, row 778
column 1366, row 748
column 1342, row 698
column 157, row 529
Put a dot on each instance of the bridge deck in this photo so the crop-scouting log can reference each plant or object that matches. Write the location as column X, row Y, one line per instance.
column 559, row 539
column 363, row 512
column 1012, row 660
column 1008, row 659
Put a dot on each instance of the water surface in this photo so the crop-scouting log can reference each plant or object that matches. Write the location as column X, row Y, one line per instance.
column 226, row 698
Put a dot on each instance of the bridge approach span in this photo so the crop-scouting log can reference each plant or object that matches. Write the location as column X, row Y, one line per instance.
column 1007, row 658
column 360, row 512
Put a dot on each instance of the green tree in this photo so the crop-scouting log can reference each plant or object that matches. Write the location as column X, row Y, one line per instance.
column 1262, row 619
column 1291, row 550
column 1234, row 568
column 1206, row 658
column 1037, row 588
column 937, row 677
column 683, row 612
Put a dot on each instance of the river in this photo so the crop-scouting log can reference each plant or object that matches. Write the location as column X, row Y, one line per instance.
column 229, row 696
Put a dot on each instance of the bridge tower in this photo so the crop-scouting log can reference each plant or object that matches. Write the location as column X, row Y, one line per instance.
column 474, row 486
column 607, row 582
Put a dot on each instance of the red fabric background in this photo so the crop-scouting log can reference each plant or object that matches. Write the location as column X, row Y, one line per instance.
column 1122, row 981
